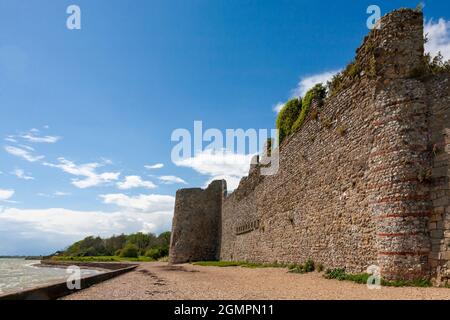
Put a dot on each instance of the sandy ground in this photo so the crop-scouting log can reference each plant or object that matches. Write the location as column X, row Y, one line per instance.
column 158, row 281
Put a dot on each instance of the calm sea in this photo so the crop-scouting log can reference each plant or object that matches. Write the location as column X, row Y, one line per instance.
column 20, row 274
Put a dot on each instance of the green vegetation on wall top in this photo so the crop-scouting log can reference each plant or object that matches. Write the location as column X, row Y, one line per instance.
column 287, row 117
column 295, row 111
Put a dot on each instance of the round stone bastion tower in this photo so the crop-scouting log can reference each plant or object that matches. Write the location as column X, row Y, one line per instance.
column 399, row 158
column 196, row 227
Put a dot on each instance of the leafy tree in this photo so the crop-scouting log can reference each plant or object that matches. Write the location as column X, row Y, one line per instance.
column 115, row 243
column 130, row 251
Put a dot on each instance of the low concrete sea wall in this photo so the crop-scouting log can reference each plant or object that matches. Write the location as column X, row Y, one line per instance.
column 58, row 290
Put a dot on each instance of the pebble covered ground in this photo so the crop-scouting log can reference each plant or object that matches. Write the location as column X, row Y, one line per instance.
column 160, row 281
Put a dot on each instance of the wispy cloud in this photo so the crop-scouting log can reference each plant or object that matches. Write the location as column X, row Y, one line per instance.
column 154, row 202
column 310, row 81
column 171, row 180
column 54, row 194
column 438, row 34
column 277, row 108
column 61, row 194
column 132, row 182
column 11, row 139
column 34, row 136
column 89, row 171
column 6, row 194
column 305, row 84
column 19, row 173
column 23, row 153
column 155, row 166
column 219, row 165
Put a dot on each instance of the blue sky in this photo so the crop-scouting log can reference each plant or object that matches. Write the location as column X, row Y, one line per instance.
column 83, row 112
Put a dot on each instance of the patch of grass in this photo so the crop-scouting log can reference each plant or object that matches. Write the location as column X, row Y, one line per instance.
column 309, row 266
column 362, row 278
column 422, row 283
column 101, row 259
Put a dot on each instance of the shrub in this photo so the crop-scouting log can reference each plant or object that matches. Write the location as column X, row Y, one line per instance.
column 130, row 251
column 437, row 64
column 309, row 266
column 157, row 253
column 338, row 274
column 287, row 116
column 336, row 83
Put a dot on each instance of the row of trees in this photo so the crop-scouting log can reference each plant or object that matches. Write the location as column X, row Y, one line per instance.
column 130, row 246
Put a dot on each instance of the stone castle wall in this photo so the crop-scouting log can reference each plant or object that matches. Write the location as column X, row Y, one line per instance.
column 438, row 90
column 366, row 182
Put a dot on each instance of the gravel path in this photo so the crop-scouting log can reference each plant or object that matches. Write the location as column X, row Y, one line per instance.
column 159, row 281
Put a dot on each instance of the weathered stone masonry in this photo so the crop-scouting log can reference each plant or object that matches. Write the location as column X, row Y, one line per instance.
column 365, row 183
column 197, row 223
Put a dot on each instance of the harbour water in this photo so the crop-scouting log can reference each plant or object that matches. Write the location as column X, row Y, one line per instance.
column 21, row 274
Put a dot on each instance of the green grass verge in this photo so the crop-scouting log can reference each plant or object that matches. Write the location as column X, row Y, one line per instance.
column 309, row 266
column 362, row 278
column 101, row 259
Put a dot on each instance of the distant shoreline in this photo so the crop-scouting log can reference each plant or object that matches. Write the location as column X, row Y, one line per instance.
column 24, row 257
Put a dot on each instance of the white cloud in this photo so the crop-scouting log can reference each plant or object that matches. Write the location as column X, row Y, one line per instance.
column 19, row 173
column 54, row 194
column 155, row 166
column 6, row 194
column 219, row 165
column 171, row 180
column 43, row 231
column 438, row 34
column 88, row 171
column 33, row 136
column 131, row 182
column 22, row 153
column 277, row 108
column 26, row 147
column 154, row 202
column 61, row 194
column 308, row 82
column 11, row 139
column 305, row 84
